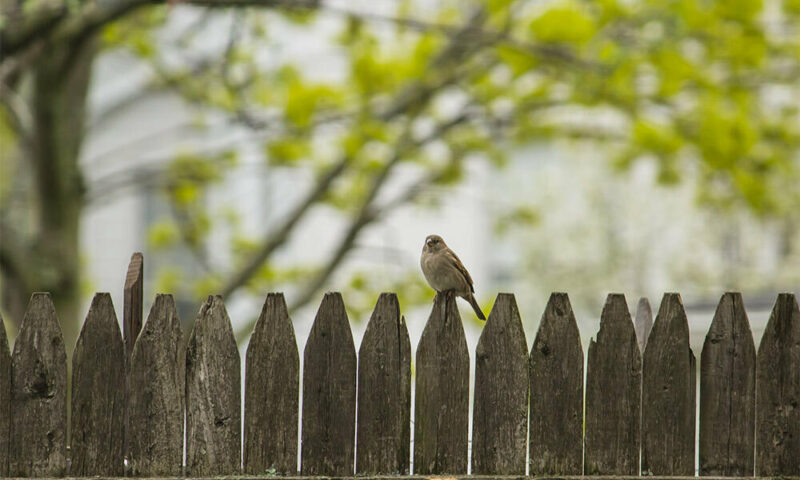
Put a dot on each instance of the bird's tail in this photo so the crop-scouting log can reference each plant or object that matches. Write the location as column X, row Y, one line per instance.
column 474, row 303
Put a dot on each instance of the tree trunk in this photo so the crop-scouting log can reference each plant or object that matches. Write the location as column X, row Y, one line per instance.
column 51, row 248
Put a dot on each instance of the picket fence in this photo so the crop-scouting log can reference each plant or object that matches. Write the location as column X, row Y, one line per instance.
column 147, row 401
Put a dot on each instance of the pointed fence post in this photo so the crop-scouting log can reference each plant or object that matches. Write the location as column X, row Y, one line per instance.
column 778, row 392
column 5, row 399
column 384, row 392
column 643, row 322
column 556, row 392
column 213, row 394
column 132, row 313
column 728, row 393
column 329, row 393
column 668, row 394
column 156, row 401
column 441, row 412
column 613, row 394
column 38, row 394
column 98, row 394
column 500, row 414
column 271, row 394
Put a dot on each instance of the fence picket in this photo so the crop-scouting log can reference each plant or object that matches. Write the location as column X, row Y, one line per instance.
column 271, row 394
column 778, row 391
column 643, row 322
column 728, row 392
column 441, row 408
column 613, row 394
column 38, row 394
column 132, row 310
column 98, row 394
column 499, row 420
column 384, row 392
column 213, row 394
column 329, row 392
column 157, row 393
column 668, row 394
column 556, row 392
column 5, row 398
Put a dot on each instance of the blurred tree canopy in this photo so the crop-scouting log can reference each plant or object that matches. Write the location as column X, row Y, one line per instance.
column 708, row 90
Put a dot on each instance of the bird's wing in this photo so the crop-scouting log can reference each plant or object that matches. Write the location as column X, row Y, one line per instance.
column 453, row 259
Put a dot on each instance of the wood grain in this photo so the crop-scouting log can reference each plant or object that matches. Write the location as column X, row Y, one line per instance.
column 213, row 394
column 272, row 388
column 556, row 392
column 499, row 420
column 157, row 395
column 613, row 394
column 5, row 399
column 329, row 392
column 728, row 392
column 778, row 391
column 441, row 408
column 384, row 392
column 98, row 394
column 668, row 394
column 38, row 394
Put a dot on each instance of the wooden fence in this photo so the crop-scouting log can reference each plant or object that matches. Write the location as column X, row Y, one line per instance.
column 636, row 416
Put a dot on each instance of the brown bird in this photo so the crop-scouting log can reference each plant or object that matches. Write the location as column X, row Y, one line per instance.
column 444, row 271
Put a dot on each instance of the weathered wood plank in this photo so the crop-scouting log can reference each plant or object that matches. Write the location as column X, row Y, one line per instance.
column 643, row 322
column 613, row 394
column 556, row 392
column 5, row 398
column 441, row 407
column 384, row 392
column 132, row 313
column 132, row 309
column 98, row 394
column 38, row 394
column 213, row 394
column 778, row 391
column 500, row 413
column 272, row 389
column 668, row 394
column 329, row 392
column 728, row 392
column 156, row 399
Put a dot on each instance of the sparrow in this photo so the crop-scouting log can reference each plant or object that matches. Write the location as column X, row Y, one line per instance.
column 444, row 271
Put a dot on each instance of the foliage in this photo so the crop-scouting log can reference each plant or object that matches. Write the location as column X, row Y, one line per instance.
column 706, row 90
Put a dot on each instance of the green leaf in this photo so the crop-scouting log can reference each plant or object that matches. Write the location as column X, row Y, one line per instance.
column 567, row 23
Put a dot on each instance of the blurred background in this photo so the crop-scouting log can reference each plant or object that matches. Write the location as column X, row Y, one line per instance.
column 249, row 146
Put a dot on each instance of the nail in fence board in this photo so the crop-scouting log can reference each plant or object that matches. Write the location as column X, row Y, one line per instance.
column 644, row 322
column 556, row 392
column 778, row 391
column 157, row 393
column 98, row 394
column 38, row 394
column 384, row 392
column 500, row 413
column 329, row 392
column 728, row 392
column 213, row 394
column 668, row 394
column 272, row 389
column 441, row 408
column 613, row 394
column 5, row 399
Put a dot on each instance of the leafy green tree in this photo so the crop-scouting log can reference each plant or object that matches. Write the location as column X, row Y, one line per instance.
column 706, row 90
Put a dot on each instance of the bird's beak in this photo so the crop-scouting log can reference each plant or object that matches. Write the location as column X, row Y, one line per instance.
column 429, row 243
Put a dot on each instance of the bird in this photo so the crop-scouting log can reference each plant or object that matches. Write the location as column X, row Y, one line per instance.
column 444, row 271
